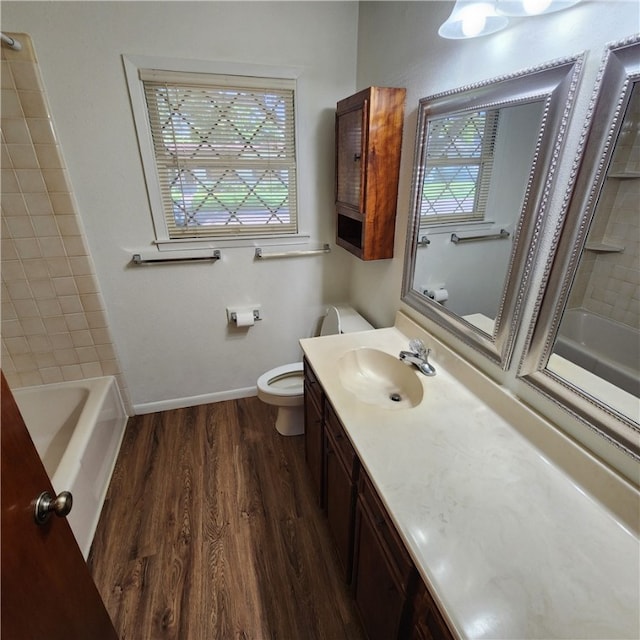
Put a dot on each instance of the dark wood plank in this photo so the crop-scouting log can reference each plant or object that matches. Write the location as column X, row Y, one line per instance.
column 210, row 530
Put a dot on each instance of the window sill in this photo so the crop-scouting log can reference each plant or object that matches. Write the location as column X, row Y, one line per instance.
column 206, row 244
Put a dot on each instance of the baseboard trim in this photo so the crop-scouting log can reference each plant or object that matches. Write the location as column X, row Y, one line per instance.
column 207, row 398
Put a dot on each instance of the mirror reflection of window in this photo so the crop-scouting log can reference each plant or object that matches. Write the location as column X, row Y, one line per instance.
column 476, row 168
column 457, row 176
column 598, row 341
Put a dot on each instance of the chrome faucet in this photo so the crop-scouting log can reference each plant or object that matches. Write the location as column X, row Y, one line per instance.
column 419, row 357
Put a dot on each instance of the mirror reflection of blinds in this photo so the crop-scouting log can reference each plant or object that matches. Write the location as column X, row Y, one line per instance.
column 225, row 154
column 458, row 165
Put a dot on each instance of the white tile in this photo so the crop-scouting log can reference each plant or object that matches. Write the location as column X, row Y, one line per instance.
column 15, row 131
column 41, row 130
column 32, row 103
column 30, row 180
column 38, row 204
column 26, row 76
column 72, row 372
column 20, row 227
column 23, row 156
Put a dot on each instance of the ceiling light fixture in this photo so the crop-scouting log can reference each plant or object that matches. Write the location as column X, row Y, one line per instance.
column 472, row 18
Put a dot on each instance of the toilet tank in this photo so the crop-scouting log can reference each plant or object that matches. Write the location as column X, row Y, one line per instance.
column 343, row 319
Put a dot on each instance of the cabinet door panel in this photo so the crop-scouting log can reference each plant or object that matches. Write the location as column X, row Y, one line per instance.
column 340, row 504
column 403, row 566
column 377, row 595
column 428, row 623
column 343, row 446
column 349, row 160
column 314, row 443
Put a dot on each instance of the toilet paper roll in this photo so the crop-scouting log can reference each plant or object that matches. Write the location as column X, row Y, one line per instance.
column 440, row 295
column 245, row 318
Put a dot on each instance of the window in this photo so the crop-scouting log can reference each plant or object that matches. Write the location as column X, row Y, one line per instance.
column 221, row 156
column 458, row 163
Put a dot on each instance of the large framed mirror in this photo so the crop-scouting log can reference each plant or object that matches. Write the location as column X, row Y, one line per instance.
column 583, row 346
column 485, row 163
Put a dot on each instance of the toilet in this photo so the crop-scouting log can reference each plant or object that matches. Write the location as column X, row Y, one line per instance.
column 284, row 385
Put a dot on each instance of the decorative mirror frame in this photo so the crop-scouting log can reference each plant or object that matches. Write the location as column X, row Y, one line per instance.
column 555, row 85
column 620, row 69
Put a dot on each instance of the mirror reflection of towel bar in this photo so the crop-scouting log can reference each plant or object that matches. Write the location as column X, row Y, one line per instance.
column 139, row 260
column 503, row 235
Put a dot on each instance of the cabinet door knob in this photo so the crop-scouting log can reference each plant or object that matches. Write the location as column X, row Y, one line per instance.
column 356, row 157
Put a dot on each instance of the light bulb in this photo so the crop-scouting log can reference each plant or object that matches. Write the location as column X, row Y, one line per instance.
column 473, row 23
column 472, row 18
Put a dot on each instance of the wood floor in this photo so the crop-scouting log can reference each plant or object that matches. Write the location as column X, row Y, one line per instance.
column 210, row 531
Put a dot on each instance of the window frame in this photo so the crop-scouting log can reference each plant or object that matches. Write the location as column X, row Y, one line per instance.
column 133, row 65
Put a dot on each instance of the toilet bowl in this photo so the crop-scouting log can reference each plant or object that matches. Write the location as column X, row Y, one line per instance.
column 284, row 386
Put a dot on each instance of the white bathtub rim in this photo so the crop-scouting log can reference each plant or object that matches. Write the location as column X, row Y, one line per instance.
column 67, row 470
column 577, row 316
column 103, row 392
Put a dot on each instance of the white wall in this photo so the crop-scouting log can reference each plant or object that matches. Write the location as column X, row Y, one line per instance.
column 169, row 322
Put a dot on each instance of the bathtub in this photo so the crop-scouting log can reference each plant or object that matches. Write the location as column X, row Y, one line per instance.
column 606, row 348
column 77, row 428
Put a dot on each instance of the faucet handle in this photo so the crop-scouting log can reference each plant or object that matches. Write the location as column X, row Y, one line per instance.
column 417, row 346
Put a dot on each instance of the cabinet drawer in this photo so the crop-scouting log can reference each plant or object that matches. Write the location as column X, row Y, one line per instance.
column 393, row 545
column 344, row 449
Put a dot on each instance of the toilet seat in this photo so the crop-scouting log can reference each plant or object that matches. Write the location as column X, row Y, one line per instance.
column 283, row 386
column 286, row 383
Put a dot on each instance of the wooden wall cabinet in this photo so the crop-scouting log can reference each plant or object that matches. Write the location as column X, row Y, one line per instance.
column 368, row 145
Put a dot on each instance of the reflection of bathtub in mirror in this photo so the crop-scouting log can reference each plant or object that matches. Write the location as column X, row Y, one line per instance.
column 608, row 349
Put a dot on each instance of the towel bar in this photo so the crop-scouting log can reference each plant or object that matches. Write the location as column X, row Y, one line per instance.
column 503, row 235
column 290, row 254
column 137, row 259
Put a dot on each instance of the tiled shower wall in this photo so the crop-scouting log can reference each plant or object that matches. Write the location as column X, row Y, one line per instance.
column 54, row 325
column 608, row 283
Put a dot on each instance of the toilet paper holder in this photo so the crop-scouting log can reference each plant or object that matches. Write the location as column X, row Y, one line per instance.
column 233, row 312
column 436, row 293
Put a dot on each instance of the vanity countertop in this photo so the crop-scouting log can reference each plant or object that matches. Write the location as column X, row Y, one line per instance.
column 507, row 541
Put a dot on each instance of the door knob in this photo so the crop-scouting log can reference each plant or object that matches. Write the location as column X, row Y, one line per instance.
column 46, row 505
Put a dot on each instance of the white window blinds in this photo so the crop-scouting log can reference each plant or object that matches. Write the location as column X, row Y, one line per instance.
column 225, row 153
column 459, row 160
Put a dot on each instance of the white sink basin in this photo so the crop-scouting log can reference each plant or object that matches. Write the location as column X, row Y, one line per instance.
column 380, row 379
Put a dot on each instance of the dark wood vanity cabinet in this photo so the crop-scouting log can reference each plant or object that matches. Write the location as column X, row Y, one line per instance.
column 384, row 576
column 341, row 475
column 392, row 600
column 314, row 431
column 368, row 145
